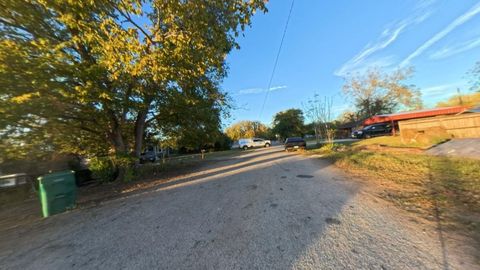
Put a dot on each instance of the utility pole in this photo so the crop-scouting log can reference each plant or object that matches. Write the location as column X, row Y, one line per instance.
column 459, row 97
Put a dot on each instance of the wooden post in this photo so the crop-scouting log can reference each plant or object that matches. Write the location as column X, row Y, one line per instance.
column 394, row 131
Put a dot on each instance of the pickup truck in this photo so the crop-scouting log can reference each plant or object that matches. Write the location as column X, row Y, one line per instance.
column 252, row 143
column 295, row 143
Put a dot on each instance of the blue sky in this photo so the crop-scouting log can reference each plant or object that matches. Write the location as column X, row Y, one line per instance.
column 326, row 40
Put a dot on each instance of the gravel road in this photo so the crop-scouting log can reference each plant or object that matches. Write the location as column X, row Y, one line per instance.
column 466, row 147
column 264, row 209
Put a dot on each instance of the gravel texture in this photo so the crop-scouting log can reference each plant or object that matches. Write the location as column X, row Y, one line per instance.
column 469, row 147
column 264, row 209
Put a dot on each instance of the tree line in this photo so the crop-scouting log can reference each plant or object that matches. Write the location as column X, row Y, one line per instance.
column 94, row 78
column 103, row 78
column 373, row 92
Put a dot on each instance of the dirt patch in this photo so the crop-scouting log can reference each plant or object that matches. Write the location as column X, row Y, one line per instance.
column 424, row 135
column 95, row 194
column 442, row 190
column 29, row 210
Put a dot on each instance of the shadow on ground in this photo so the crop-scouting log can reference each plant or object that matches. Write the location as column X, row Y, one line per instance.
column 452, row 210
column 253, row 212
column 29, row 210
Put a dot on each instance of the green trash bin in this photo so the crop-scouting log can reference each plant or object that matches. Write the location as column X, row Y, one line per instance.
column 57, row 191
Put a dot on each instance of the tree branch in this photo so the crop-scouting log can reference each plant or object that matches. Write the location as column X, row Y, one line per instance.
column 3, row 21
column 129, row 19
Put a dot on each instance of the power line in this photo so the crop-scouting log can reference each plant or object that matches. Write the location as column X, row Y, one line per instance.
column 276, row 61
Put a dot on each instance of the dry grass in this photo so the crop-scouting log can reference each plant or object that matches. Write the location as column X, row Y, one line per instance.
column 384, row 143
column 446, row 189
column 396, row 141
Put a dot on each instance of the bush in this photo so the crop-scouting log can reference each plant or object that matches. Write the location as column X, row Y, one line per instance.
column 103, row 169
column 107, row 169
column 125, row 167
column 149, row 170
column 329, row 147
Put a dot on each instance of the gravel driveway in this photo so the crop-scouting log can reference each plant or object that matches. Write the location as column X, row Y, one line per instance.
column 265, row 209
column 468, row 147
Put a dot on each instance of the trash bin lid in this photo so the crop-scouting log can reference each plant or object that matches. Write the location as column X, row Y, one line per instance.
column 55, row 175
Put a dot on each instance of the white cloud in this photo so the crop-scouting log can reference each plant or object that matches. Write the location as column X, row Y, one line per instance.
column 259, row 90
column 455, row 49
column 424, row 4
column 456, row 23
column 358, row 62
column 440, row 90
column 274, row 88
column 361, row 62
column 381, row 62
column 250, row 91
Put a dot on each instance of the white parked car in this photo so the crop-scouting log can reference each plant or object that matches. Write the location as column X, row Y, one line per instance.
column 255, row 142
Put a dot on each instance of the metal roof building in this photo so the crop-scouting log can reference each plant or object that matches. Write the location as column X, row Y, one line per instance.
column 394, row 117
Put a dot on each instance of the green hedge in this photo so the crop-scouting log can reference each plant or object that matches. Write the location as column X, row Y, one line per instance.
column 107, row 169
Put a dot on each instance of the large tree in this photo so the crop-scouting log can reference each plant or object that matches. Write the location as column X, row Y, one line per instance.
column 289, row 123
column 92, row 76
column 247, row 129
column 468, row 100
column 191, row 118
column 376, row 92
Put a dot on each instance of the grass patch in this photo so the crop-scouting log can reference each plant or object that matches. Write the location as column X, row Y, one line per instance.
column 224, row 153
column 324, row 149
column 150, row 170
column 396, row 141
column 448, row 188
column 321, row 147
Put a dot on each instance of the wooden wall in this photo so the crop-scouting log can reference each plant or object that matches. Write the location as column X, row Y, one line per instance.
column 465, row 125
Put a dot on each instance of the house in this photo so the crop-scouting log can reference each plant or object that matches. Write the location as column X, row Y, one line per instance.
column 345, row 130
column 394, row 118
column 461, row 125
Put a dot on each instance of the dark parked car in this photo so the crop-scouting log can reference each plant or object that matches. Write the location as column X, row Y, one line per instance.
column 295, row 143
column 372, row 131
column 148, row 156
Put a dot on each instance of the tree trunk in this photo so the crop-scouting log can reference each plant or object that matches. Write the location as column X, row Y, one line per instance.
column 119, row 145
column 120, row 150
column 317, row 134
column 139, row 133
column 140, row 124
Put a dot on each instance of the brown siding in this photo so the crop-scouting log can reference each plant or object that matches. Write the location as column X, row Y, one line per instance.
column 459, row 126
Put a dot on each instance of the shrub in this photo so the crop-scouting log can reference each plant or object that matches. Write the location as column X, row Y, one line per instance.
column 107, row 169
column 125, row 167
column 103, row 169
column 330, row 147
column 149, row 170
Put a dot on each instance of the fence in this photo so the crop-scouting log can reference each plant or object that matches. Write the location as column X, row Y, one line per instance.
column 458, row 126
